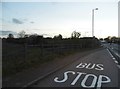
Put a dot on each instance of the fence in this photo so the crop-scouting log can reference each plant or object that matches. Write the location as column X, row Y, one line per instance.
column 18, row 57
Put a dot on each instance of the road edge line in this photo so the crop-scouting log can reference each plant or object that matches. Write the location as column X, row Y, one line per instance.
column 114, row 59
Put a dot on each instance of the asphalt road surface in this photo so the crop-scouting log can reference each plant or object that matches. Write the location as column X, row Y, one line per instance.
column 97, row 70
column 114, row 47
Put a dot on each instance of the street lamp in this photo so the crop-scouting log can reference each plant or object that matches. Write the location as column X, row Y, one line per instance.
column 93, row 21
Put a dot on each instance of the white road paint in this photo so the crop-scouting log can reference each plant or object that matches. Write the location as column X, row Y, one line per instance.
column 90, row 66
column 110, row 53
column 116, row 53
column 100, row 80
column 83, row 83
column 94, row 83
column 100, row 67
column 65, row 77
column 76, row 79
column 81, row 65
column 116, row 62
column 113, row 57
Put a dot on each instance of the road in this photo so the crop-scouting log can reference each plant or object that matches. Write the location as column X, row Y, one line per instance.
column 115, row 48
column 97, row 70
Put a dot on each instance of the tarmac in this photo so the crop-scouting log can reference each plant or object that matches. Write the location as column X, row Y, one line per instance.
column 31, row 76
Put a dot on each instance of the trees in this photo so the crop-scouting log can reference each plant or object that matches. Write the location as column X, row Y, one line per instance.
column 10, row 36
column 101, row 39
column 35, row 39
column 108, row 39
column 21, row 34
column 114, row 39
column 59, row 37
column 75, row 34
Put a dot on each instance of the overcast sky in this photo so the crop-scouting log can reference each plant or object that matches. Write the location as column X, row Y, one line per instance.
column 53, row 17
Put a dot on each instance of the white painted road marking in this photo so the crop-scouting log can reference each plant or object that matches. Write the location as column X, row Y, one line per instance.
column 84, row 81
column 65, row 77
column 96, row 81
column 116, row 62
column 100, row 81
column 113, row 57
column 110, row 53
column 93, row 82
column 76, row 79
column 90, row 66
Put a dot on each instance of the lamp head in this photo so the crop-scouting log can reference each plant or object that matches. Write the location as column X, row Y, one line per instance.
column 96, row 8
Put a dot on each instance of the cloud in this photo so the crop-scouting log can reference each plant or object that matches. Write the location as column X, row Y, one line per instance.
column 17, row 21
column 3, row 33
column 32, row 22
column 21, row 21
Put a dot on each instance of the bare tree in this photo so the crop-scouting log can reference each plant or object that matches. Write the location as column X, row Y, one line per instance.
column 21, row 34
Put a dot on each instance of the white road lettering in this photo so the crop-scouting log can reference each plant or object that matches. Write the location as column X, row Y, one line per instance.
column 100, row 67
column 65, row 77
column 81, row 65
column 93, row 82
column 76, row 79
column 100, row 81
column 90, row 66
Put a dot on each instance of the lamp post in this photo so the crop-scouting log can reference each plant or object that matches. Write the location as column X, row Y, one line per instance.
column 93, row 21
